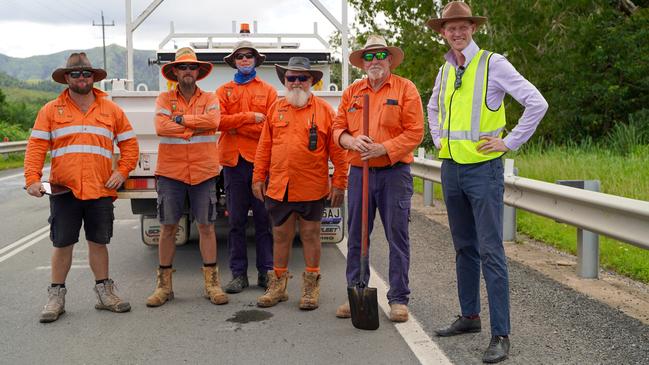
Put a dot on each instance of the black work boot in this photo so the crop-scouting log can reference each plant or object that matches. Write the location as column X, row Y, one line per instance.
column 237, row 284
column 460, row 326
column 262, row 280
column 497, row 351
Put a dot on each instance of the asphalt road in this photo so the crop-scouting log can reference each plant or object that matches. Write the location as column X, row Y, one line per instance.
column 552, row 324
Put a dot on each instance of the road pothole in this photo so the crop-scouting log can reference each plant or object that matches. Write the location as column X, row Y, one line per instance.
column 250, row 316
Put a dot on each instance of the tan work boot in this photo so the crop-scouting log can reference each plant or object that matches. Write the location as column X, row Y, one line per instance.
column 398, row 312
column 163, row 290
column 55, row 304
column 276, row 291
column 107, row 299
column 213, row 290
column 310, row 290
column 343, row 311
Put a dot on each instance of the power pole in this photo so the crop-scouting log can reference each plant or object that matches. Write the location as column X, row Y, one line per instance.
column 103, row 34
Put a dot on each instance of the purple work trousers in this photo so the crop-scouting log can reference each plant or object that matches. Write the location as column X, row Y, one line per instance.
column 238, row 189
column 390, row 190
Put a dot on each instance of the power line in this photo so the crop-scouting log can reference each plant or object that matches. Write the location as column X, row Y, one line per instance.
column 103, row 34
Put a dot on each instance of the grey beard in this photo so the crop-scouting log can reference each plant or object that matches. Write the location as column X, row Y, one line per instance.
column 297, row 97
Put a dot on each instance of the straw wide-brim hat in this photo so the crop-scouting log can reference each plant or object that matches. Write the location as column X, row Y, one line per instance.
column 298, row 64
column 186, row 55
column 78, row 62
column 455, row 10
column 376, row 42
column 244, row 44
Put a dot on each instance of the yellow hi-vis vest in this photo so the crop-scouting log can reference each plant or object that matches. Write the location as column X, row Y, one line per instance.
column 464, row 115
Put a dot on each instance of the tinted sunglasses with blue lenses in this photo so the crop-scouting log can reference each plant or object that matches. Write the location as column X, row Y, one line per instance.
column 380, row 55
column 76, row 74
column 187, row 66
column 301, row 78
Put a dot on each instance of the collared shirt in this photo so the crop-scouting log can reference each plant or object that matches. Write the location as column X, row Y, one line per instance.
column 187, row 152
column 81, row 145
column 283, row 154
column 396, row 119
column 503, row 79
column 240, row 133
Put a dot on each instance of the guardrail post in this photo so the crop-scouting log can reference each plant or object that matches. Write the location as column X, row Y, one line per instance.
column 587, row 241
column 509, row 216
column 428, row 185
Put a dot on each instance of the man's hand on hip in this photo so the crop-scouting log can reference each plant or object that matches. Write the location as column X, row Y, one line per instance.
column 492, row 144
column 115, row 181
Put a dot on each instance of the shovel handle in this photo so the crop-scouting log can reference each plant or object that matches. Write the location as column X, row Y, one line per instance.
column 366, row 180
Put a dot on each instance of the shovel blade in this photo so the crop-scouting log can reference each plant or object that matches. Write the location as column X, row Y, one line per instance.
column 364, row 307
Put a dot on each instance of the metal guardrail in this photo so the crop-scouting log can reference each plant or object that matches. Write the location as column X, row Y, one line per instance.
column 620, row 218
column 10, row 147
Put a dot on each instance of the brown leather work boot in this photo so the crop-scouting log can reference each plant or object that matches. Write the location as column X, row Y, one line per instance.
column 398, row 312
column 343, row 311
column 163, row 291
column 310, row 290
column 213, row 290
column 276, row 291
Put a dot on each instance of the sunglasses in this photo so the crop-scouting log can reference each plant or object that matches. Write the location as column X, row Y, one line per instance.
column 187, row 66
column 240, row 56
column 301, row 78
column 380, row 55
column 76, row 74
column 458, row 76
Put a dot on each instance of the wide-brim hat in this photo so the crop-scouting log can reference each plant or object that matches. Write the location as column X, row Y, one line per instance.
column 78, row 62
column 186, row 55
column 376, row 42
column 298, row 64
column 244, row 44
column 455, row 10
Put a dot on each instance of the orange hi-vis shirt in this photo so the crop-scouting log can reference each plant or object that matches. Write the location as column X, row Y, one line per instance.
column 187, row 152
column 81, row 145
column 283, row 154
column 396, row 119
column 239, row 132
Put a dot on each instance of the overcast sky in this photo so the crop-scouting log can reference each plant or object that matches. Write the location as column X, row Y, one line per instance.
column 34, row 27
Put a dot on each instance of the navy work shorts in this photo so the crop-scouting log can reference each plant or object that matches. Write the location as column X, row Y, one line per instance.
column 307, row 210
column 172, row 198
column 67, row 213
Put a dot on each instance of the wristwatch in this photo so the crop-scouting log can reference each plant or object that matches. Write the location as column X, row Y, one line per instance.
column 178, row 119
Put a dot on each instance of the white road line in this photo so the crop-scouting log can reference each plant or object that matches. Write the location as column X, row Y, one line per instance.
column 25, row 245
column 17, row 175
column 424, row 348
column 26, row 238
column 71, row 267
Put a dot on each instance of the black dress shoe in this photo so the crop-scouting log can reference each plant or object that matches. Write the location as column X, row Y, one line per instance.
column 497, row 351
column 237, row 284
column 460, row 326
column 262, row 280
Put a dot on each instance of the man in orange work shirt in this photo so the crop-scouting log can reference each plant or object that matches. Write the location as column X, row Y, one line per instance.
column 293, row 155
column 396, row 129
column 79, row 129
column 244, row 105
column 186, row 121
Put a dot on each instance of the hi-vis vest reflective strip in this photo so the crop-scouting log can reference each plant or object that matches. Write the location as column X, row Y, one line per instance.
column 463, row 114
column 191, row 140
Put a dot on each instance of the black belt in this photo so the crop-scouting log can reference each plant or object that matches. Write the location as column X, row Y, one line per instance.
column 381, row 168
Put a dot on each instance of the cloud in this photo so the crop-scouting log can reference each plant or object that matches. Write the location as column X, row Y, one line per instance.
column 46, row 26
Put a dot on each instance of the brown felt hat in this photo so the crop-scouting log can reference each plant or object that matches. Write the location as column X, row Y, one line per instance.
column 298, row 64
column 455, row 10
column 376, row 42
column 78, row 62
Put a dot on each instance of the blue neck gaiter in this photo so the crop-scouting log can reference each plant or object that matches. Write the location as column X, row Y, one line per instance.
column 245, row 74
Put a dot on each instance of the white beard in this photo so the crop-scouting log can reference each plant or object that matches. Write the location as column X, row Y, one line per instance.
column 297, row 97
column 376, row 73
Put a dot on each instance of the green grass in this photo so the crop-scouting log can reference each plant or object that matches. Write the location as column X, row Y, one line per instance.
column 15, row 94
column 12, row 161
column 622, row 175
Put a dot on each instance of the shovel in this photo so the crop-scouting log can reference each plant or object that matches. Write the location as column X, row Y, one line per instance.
column 362, row 299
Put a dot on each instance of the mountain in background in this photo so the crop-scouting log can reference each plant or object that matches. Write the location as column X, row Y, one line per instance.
column 41, row 67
